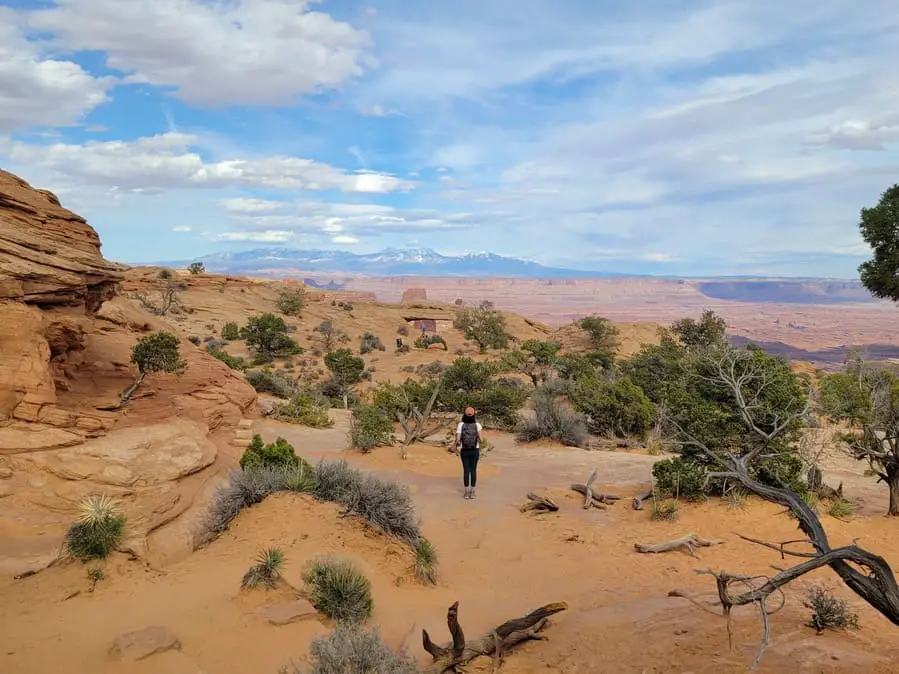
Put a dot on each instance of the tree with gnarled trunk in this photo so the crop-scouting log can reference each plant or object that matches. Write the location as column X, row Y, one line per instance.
column 866, row 396
column 865, row 573
column 412, row 405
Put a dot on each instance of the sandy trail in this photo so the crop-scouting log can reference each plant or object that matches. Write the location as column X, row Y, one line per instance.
column 496, row 561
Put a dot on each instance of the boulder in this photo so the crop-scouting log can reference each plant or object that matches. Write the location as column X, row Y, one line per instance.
column 141, row 644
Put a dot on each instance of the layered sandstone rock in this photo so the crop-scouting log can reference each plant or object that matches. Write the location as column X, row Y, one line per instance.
column 48, row 255
column 415, row 295
column 65, row 349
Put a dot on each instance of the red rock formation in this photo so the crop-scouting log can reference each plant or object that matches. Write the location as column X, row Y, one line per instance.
column 415, row 295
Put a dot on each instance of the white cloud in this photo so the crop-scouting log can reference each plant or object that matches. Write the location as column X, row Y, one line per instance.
column 250, row 206
column 855, row 134
column 268, row 236
column 172, row 160
column 344, row 239
column 214, row 52
column 181, row 228
column 37, row 90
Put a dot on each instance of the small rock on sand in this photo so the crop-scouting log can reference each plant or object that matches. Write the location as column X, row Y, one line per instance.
column 143, row 643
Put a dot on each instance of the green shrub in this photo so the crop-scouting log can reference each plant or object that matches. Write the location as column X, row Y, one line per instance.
column 425, row 561
column 678, row 478
column 266, row 571
column 614, row 407
column 665, row 511
column 339, row 589
column 279, row 454
column 841, row 509
column 424, row 341
column 385, row 505
column 290, row 302
column 234, row 362
column 95, row 575
column 351, row 650
column 230, row 332
column 371, row 342
column 306, row 410
column 270, row 381
column 267, row 335
column 554, row 421
column 370, row 427
column 98, row 531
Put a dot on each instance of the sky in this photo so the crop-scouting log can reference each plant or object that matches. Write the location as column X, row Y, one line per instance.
column 692, row 137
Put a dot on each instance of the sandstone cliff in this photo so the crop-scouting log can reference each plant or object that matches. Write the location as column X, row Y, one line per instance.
column 65, row 342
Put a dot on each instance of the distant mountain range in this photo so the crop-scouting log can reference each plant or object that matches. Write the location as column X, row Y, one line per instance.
column 388, row 262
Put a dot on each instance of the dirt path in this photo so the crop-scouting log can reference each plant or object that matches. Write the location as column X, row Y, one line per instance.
column 496, row 561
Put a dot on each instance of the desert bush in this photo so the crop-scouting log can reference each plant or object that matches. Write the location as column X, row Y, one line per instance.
column 665, row 511
column 193, row 339
column 371, row 342
column 484, row 326
column 385, row 505
column 402, row 348
column 347, row 306
column 305, row 409
column 290, row 302
column 234, row 362
column 164, row 274
column 267, row 335
column 266, row 571
column 841, row 508
column 425, row 561
column 158, row 352
column 613, row 407
column 346, row 370
column 349, row 649
column 269, row 381
column 98, row 531
column 230, row 332
column 828, row 611
column 735, row 498
column 603, row 338
column 95, row 575
column 339, row 589
column 370, row 427
column 245, row 488
column 196, row 268
column 213, row 344
column 554, row 421
column 424, row 341
column 469, row 382
column 335, row 480
column 677, row 478
column 278, row 454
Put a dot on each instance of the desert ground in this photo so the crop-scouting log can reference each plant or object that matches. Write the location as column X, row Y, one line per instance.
column 70, row 321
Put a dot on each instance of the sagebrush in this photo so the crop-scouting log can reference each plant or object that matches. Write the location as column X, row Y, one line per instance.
column 553, row 421
column 828, row 612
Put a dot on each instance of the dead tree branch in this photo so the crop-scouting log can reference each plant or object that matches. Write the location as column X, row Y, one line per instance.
column 501, row 638
column 640, row 499
column 686, row 543
column 419, row 425
column 539, row 504
column 594, row 499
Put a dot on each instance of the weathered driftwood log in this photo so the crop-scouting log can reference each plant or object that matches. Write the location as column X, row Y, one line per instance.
column 598, row 500
column 687, row 543
column 539, row 503
column 501, row 638
column 640, row 499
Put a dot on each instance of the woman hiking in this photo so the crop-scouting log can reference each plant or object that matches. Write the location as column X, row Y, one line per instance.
column 468, row 444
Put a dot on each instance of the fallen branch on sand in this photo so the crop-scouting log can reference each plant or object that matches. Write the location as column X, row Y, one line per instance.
column 640, row 499
column 539, row 504
column 593, row 499
column 686, row 543
column 459, row 652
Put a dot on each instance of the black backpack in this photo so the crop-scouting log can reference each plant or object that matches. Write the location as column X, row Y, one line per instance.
column 469, row 436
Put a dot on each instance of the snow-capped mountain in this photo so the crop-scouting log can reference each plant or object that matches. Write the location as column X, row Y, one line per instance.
column 388, row 262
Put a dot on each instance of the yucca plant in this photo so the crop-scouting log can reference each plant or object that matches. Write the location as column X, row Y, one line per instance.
column 425, row 561
column 266, row 571
column 339, row 589
column 98, row 531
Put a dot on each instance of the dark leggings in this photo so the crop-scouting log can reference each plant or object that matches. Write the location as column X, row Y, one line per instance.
column 470, row 466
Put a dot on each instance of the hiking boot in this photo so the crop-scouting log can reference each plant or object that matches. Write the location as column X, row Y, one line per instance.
column 467, row 492
column 471, row 493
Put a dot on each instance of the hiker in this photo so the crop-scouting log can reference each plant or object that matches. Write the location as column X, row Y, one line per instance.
column 468, row 444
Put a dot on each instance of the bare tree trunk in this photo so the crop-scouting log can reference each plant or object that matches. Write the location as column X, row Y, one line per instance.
column 128, row 392
column 893, row 482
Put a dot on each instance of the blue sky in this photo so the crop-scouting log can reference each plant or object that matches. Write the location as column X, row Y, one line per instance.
column 663, row 136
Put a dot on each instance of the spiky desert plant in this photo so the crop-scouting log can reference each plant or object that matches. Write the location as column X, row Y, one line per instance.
column 266, row 571
column 666, row 511
column 425, row 561
column 98, row 530
column 339, row 589
column 841, row 509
